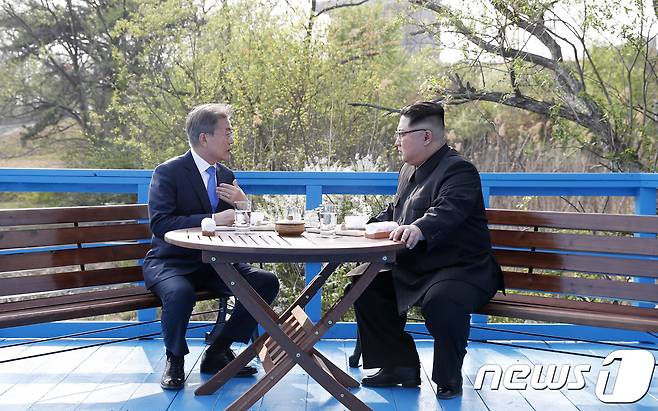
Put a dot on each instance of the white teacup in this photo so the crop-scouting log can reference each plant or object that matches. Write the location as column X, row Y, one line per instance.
column 257, row 218
column 356, row 222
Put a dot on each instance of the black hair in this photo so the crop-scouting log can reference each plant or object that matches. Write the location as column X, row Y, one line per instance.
column 424, row 109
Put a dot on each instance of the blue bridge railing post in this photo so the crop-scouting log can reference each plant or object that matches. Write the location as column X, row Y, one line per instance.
column 314, row 307
column 147, row 314
column 645, row 204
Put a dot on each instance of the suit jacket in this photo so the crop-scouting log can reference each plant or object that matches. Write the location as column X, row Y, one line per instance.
column 177, row 199
column 443, row 197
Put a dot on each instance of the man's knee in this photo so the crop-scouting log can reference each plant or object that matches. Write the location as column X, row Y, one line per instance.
column 266, row 284
column 443, row 313
column 178, row 296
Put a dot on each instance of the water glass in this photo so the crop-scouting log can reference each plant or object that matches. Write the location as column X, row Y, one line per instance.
column 311, row 219
column 242, row 215
column 292, row 214
column 328, row 221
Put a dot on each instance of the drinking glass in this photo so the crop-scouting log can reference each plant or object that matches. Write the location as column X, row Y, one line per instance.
column 328, row 221
column 311, row 219
column 242, row 215
column 292, row 214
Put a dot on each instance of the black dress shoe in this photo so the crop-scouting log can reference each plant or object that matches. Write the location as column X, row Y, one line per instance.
column 213, row 361
column 392, row 376
column 173, row 377
column 448, row 391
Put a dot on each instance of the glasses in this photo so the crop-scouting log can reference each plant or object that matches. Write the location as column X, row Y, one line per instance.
column 400, row 134
column 229, row 133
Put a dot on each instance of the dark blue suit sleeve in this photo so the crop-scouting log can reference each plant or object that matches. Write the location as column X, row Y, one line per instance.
column 162, row 204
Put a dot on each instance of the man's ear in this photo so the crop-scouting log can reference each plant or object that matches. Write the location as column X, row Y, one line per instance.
column 428, row 137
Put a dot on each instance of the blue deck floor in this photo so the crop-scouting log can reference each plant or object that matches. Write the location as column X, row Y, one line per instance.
column 125, row 376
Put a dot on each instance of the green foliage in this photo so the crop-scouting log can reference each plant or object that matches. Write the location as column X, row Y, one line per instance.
column 56, row 58
column 127, row 73
column 289, row 87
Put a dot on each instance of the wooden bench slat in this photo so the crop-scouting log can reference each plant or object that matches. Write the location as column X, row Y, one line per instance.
column 31, row 216
column 582, row 221
column 575, row 242
column 67, row 280
column 578, row 263
column 67, row 299
column 73, row 235
column 581, row 286
column 76, row 256
column 120, row 302
column 547, row 302
column 574, row 312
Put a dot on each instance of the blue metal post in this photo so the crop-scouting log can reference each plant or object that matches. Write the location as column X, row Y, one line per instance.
column 147, row 314
column 314, row 307
column 645, row 204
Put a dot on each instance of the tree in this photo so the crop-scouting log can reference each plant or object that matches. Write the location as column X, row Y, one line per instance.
column 122, row 75
column 57, row 58
column 609, row 88
column 287, row 71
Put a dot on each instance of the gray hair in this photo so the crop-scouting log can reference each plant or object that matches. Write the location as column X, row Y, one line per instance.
column 203, row 119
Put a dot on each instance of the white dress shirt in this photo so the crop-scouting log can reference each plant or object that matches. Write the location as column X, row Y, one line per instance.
column 202, row 165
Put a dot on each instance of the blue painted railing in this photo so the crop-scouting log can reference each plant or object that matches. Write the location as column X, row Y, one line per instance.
column 639, row 186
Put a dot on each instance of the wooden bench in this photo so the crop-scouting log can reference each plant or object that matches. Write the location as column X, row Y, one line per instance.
column 576, row 268
column 89, row 256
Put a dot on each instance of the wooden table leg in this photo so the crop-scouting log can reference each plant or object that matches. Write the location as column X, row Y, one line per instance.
column 248, row 354
column 341, row 376
column 264, row 314
column 298, row 353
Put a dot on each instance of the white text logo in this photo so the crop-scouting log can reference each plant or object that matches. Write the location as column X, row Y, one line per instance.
column 631, row 383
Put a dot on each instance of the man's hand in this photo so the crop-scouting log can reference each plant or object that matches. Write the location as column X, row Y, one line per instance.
column 408, row 234
column 231, row 193
column 225, row 217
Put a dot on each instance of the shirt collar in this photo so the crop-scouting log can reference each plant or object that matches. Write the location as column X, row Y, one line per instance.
column 430, row 164
column 201, row 164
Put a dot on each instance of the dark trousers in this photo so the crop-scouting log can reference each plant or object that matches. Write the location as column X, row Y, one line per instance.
column 178, row 298
column 446, row 307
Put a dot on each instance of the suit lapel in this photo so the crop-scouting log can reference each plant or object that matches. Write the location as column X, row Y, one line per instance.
column 195, row 180
column 223, row 175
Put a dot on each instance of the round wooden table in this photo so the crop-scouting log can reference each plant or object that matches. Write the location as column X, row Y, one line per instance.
column 289, row 337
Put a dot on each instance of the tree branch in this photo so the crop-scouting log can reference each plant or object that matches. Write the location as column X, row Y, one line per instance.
column 359, row 57
column 537, row 28
column 461, row 28
column 340, row 5
column 378, row 107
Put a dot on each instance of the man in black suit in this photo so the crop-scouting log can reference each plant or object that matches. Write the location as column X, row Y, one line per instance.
column 183, row 191
column 447, row 267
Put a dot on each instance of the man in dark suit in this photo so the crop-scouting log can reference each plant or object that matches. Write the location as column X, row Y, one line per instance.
column 447, row 267
column 183, row 191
